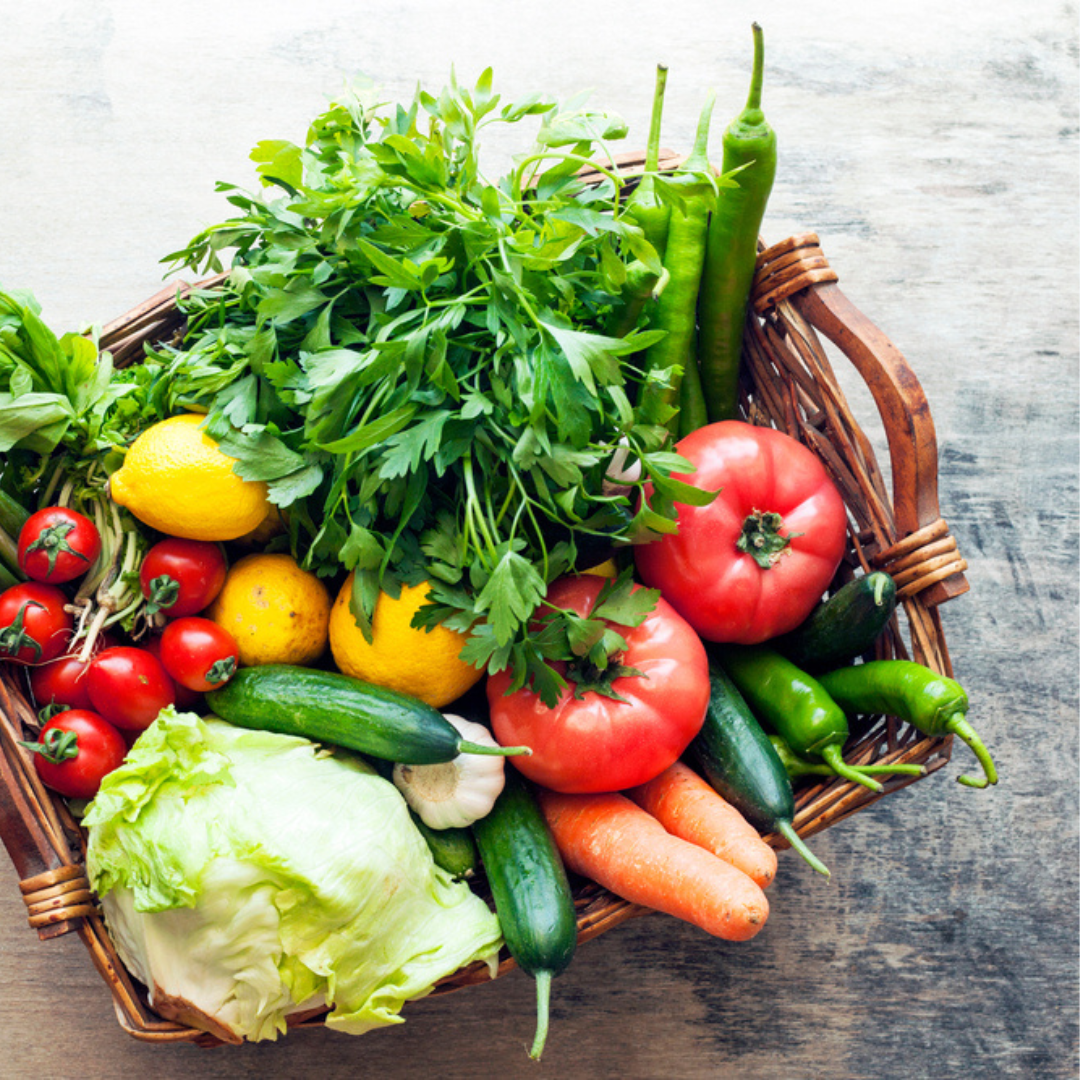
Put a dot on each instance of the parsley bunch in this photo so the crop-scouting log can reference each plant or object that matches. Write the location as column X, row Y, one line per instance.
column 413, row 358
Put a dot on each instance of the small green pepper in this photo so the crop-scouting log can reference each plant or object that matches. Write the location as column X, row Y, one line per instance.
column 932, row 703
column 796, row 707
column 797, row 767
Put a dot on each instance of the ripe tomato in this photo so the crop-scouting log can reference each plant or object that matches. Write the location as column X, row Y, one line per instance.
column 61, row 682
column 591, row 742
column 129, row 687
column 182, row 577
column 752, row 563
column 198, row 653
column 34, row 627
column 57, row 545
column 76, row 750
column 186, row 700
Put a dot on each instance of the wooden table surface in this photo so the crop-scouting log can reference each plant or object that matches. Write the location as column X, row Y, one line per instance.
column 933, row 147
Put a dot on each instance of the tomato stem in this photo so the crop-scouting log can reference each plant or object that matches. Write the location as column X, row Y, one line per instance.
column 761, row 539
column 57, row 746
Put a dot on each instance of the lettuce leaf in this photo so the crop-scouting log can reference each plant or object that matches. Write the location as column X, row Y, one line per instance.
column 245, row 875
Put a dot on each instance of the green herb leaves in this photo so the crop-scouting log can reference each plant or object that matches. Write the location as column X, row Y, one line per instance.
column 414, row 358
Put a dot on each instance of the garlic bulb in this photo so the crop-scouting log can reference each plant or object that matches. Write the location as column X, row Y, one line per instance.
column 454, row 794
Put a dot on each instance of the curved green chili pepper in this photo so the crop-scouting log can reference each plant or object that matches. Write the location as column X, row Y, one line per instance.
column 676, row 311
column 796, row 707
column 644, row 206
column 749, row 144
column 797, row 767
column 932, row 703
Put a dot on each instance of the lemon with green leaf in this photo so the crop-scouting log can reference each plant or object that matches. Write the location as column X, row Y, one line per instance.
column 176, row 479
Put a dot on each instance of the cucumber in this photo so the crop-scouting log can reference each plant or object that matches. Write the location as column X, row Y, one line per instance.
column 842, row 627
column 331, row 708
column 452, row 849
column 531, row 891
column 735, row 755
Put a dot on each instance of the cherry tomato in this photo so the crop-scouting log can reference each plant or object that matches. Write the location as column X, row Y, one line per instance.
column 57, row 545
column 590, row 741
column 182, row 577
column 753, row 562
column 76, row 750
column 129, row 687
column 34, row 627
column 198, row 653
column 186, row 700
column 61, row 682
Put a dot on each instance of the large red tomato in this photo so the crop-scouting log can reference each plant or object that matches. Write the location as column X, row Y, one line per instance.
column 753, row 562
column 594, row 742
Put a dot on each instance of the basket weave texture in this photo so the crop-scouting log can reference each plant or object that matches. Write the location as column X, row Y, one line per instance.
column 788, row 383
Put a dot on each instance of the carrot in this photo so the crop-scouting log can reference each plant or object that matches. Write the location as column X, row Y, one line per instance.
column 615, row 843
column 689, row 808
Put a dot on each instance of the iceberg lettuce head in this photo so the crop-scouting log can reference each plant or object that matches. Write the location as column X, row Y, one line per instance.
column 246, row 875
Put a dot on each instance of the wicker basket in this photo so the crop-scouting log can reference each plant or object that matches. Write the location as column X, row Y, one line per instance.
column 788, row 383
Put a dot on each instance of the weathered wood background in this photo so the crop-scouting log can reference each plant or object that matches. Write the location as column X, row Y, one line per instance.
column 933, row 147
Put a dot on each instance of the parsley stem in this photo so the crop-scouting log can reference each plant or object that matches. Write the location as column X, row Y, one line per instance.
column 473, row 508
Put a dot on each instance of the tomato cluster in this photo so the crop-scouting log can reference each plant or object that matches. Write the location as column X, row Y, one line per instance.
column 95, row 701
column 742, row 567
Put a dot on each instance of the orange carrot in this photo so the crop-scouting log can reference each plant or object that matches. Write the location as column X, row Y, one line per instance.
column 615, row 843
column 689, row 808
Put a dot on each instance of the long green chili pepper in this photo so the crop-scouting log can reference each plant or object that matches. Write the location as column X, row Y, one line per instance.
column 750, row 143
column 676, row 311
column 797, row 767
column 644, row 206
column 932, row 703
column 796, row 707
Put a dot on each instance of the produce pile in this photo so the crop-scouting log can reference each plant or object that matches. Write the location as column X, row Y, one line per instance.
column 431, row 562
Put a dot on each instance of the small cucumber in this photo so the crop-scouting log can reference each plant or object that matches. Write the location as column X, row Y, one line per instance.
column 842, row 627
column 331, row 708
column 734, row 754
column 452, row 849
column 531, row 891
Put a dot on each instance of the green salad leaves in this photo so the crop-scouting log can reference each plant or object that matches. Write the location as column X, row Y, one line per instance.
column 230, row 898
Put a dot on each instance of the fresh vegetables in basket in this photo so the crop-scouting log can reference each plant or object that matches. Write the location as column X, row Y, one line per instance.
column 373, row 468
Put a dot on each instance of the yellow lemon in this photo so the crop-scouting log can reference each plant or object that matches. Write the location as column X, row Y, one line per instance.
column 422, row 663
column 176, row 480
column 277, row 612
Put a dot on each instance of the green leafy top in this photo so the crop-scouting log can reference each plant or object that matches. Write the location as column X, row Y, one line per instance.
column 410, row 356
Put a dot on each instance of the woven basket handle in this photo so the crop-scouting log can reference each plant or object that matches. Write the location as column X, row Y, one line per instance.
column 924, row 558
